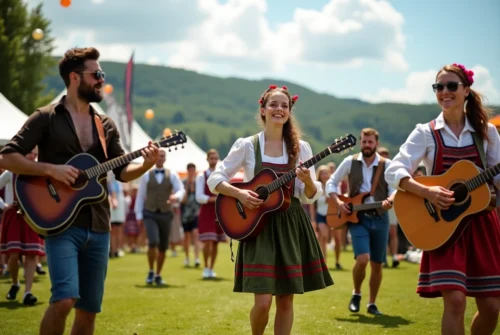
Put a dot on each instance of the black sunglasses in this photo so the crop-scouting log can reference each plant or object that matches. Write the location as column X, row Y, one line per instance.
column 452, row 86
column 98, row 75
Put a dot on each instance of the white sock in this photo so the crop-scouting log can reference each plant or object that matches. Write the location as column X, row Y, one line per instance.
column 370, row 304
column 354, row 293
column 26, row 293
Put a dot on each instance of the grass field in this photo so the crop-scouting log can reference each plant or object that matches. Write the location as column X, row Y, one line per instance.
column 190, row 305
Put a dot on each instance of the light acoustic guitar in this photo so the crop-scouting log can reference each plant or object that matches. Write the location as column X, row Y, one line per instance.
column 50, row 206
column 241, row 223
column 428, row 227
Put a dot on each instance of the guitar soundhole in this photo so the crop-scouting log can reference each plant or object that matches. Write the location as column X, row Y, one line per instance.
column 461, row 192
column 80, row 181
column 262, row 192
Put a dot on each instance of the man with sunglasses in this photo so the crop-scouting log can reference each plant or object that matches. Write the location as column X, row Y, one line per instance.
column 78, row 256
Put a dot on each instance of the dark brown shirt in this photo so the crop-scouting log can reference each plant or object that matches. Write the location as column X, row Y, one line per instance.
column 51, row 128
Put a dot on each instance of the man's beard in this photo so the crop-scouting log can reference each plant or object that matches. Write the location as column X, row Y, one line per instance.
column 368, row 152
column 88, row 93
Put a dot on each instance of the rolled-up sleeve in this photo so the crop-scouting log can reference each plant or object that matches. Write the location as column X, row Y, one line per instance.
column 406, row 161
column 493, row 152
column 305, row 155
column 29, row 136
column 226, row 170
column 332, row 185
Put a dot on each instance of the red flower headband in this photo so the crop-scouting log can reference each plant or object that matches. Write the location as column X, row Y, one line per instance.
column 468, row 73
column 273, row 87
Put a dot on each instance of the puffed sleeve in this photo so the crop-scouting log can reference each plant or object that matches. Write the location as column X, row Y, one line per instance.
column 410, row 155
column 226, row 170
column 493, row 151
column 306, row 154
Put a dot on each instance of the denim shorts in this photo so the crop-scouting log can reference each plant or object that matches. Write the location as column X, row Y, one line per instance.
column 370, row 236
column 77, row 260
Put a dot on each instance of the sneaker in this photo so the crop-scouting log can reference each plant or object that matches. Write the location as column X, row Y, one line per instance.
column 40, row 270
column 186, row 263
column 354, row 303
column 212, row 274
column 159, row 281
column 338, row 266
column 197, row 263
column 372, row 309
column 206, row 273
column 13, row 292
column 29, row 299
column 150, row 277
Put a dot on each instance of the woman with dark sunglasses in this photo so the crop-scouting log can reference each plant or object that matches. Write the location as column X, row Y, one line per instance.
column 470, row 266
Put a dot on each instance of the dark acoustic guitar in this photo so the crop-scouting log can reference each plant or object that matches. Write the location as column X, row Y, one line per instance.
column 241, row 223
column 427, row 227
column 50, row 206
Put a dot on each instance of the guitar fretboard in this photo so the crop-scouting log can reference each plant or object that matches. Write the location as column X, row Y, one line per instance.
column 483, row 177
column 285, row 178
column 366, row 207
column 112, row 164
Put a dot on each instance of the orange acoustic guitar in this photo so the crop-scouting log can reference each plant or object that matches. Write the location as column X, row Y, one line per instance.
column 241, row 223
column 334, row 217
column 427, row 227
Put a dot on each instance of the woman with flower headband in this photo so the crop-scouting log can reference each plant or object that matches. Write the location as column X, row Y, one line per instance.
column 285, row 258
column 470, row 266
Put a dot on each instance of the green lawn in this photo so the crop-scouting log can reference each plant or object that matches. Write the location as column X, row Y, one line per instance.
column 190, row 305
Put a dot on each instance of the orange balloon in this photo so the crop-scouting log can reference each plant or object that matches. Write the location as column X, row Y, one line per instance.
column 167, row 132
column 65, row 3
column 149, row 114
column 108, row 89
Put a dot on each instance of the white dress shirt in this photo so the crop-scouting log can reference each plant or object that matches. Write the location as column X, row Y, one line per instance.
column 242, row 154
column 345, row 168
column 200, row 195
column 420, row 147
column 177, row 189
column 6, row 182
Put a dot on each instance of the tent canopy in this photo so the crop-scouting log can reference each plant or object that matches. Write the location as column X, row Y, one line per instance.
column 12, row 120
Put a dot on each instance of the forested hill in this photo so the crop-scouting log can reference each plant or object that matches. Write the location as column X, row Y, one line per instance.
column 215, row 111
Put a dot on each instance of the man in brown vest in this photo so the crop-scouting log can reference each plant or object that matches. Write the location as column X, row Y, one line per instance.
column 158, row 190
column 369, row 236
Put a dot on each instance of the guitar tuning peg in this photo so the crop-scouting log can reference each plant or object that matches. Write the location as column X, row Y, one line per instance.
column 175, row 148
column 182, row 146
column 169, row 150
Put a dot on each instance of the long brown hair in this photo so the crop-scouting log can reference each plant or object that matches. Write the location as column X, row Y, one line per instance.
column 291, row 131
column 477, row 113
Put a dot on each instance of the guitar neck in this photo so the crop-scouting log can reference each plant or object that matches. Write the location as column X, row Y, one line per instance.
column 367, row 207
column 114, row 163
column 290, row 175
column 483, row 177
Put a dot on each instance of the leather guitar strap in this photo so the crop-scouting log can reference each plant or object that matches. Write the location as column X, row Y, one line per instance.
column 480, row 148
column 100, row 131
column 381, row 164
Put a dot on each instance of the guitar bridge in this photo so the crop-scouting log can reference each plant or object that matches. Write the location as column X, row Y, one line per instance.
column 52, row 191
column 240, row 209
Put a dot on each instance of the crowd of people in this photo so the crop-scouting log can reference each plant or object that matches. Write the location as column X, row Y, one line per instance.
column 161, row 212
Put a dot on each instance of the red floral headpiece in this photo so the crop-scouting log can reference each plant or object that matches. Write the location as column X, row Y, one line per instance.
column 273, row 87
column 468, row 73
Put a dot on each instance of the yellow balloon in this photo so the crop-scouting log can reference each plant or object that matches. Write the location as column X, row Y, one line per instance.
column 167, row 132
column 149, row 114
column 108, row 89
column 37, row 34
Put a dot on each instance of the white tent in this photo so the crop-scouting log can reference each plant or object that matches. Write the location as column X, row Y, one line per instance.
column 12, row 119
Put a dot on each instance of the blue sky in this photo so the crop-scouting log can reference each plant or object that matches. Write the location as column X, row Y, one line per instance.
column 368, row 49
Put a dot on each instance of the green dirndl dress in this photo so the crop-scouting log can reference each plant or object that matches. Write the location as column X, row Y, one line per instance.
column 285, row 258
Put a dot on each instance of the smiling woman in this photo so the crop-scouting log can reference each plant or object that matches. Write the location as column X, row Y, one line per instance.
column 468, row 266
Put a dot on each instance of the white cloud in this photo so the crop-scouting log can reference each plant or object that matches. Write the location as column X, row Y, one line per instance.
column 234, row 36
column 418, row 88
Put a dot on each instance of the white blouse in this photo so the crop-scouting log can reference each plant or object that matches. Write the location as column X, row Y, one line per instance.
column 242, row 154
column 6, row 179
column 420, row 147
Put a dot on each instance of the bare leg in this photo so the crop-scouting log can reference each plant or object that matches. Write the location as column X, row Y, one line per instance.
column 284, row 315
column 206, row 249
column 29, row 272
column 84, row 323
column 486, row 319
column 359, row 271
column 452, row 322
column 151, row 257
column 259, row 315
column 196, row 244
column 323, row 238
column 213, row 254
column 160, row 261
column 54, row 319
column 187, row 238
column 337, row 237
column 13, row 266
column 375, row 280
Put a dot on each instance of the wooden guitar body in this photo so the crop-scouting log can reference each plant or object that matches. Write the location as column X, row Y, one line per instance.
column 241, row 223
column 49, row 206
column 335, row 219
column 428, row 227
